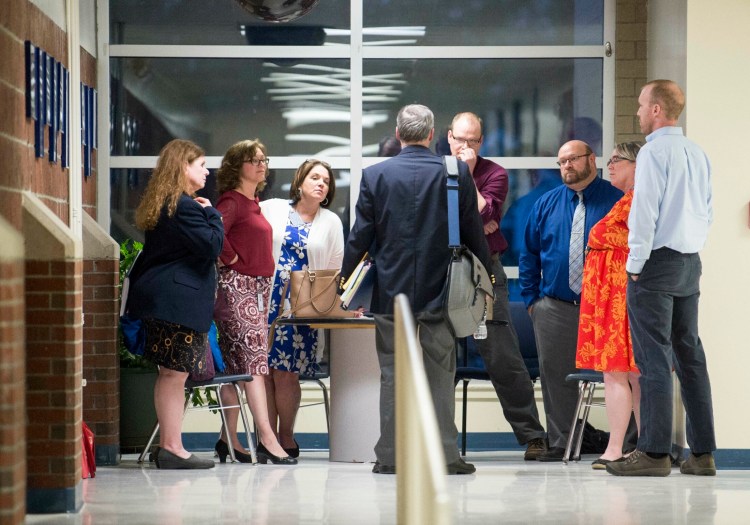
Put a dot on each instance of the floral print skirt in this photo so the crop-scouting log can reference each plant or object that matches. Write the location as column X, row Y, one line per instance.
column 243, row 337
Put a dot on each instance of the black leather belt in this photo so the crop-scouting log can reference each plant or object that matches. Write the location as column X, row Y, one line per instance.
column 576, row 303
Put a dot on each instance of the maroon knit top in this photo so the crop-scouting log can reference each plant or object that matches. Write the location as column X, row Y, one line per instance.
column 248, row 234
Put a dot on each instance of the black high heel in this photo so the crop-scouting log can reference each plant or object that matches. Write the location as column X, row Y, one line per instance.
column 222, row 449
column 264, row 456
column 293, row 452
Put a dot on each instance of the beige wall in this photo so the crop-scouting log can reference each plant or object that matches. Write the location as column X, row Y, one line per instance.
column 718, row 82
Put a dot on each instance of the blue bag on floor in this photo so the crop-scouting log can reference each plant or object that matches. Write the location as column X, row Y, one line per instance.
column 133, row 334
column 213, row 340
column 133, row 331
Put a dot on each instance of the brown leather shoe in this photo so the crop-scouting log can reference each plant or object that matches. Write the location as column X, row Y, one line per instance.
column 534, row 448
column 641, row 464
column 699, row 466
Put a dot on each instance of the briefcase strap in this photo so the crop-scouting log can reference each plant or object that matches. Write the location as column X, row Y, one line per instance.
column 454, row 231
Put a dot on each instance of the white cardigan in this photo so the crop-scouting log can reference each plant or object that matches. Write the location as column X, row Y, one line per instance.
column 325, row 244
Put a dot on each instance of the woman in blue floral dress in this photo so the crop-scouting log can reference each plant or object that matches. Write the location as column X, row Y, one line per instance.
column 305, row 235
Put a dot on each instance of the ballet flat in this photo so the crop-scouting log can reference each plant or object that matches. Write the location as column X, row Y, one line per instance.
column 166, row 460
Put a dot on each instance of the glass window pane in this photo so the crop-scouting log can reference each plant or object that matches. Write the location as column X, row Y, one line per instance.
column 524, row 189
column 295, row 107
column 225, row 22
column 279, row 181
column 484, row 22
column 529, row 106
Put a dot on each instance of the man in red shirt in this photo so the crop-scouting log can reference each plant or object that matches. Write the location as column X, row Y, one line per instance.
column 500, row 351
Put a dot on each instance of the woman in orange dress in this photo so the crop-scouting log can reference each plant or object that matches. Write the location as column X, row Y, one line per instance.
column 603, row 332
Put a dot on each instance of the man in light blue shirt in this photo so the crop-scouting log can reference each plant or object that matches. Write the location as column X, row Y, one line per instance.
column 668, row 223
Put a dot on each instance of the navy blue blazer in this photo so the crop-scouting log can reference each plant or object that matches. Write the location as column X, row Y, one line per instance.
column 403, row 208
column 174, row 279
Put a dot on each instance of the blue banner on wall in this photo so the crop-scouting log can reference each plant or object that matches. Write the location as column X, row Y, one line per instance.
column 47, row 92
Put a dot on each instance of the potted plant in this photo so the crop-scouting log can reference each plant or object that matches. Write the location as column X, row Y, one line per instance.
column 137, row 378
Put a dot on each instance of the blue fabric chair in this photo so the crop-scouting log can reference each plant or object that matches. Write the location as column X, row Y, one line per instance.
column 470, row 365
column 521, row 320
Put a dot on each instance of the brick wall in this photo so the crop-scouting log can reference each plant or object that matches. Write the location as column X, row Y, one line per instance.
column 20, row 20
column 53, row 376
column 630, row 67
column 45, row 474
column 101, row 368
column 12, row 390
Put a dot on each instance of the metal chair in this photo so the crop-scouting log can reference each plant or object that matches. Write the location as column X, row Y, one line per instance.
column 587, row 382
column 214, row 384
column 322, row 373
column 465, row 372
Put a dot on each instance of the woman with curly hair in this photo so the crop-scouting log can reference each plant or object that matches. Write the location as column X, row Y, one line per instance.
column 173, row 284
column 246, row 268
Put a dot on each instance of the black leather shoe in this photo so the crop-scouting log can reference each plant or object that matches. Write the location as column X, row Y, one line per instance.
column 166, row 460
column 460, row 467
column 222, row 449
column 377, row 468
column 264, row 456
column 551, row 454
column 293, row 452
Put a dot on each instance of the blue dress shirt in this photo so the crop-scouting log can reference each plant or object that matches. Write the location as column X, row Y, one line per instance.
column 672, row 197
column 543, row 264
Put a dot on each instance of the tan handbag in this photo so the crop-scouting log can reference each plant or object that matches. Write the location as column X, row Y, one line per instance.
column 314, row 294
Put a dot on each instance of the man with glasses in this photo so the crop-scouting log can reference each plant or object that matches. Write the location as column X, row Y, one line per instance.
column 500, row 351
column 550, row 270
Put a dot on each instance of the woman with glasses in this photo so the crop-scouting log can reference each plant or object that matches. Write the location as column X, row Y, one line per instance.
column 246, row 268
column 306, row 234
column 603, row 332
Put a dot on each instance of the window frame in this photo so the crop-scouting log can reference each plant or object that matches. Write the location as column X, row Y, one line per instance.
column 357, row 54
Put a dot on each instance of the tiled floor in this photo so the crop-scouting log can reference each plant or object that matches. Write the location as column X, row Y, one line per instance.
column 504, row 490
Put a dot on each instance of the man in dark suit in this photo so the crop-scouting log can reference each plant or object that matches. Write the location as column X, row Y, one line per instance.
column 403, row 209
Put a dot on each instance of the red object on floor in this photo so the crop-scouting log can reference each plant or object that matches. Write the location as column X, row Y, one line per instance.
column 88, row 457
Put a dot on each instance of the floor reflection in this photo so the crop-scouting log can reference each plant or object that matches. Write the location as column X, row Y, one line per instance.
column 505, row 490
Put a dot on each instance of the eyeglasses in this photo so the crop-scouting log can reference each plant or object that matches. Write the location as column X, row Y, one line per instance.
column 257, row 162
column 563, row 162
column 470, row 142
column 615, row 159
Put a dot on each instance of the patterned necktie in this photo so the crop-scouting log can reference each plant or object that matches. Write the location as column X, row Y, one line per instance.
column 575, row 251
